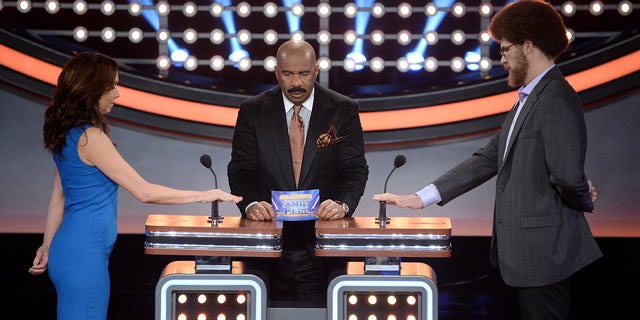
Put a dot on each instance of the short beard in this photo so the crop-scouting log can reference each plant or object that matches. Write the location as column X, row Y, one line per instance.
column 519, row 74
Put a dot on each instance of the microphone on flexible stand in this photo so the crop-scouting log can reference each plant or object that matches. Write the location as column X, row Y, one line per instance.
column 382, row 218
column 205, row 160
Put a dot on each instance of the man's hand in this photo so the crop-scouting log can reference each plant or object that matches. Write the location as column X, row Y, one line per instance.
column 330, row 210
column 261, row 211
column 411, row 201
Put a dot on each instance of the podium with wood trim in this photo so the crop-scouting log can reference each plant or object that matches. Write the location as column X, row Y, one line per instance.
column 213, row 284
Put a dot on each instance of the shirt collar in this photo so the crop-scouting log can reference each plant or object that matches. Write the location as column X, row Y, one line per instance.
column 307, row 104
column 526, row 90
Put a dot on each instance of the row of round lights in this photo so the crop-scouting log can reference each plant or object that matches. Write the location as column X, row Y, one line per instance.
column 350, row 10
column 271, row 37
column 377, row 64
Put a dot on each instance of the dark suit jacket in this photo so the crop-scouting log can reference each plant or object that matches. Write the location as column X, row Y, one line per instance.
column 261, row 154
column 540, row 235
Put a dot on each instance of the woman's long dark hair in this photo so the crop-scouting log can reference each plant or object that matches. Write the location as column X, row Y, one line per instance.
column 83, row 80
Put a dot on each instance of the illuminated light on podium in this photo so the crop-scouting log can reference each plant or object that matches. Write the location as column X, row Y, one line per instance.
column 184, row 295
column 360, row 297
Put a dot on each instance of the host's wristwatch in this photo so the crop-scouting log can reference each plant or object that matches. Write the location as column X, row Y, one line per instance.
column 344, row 206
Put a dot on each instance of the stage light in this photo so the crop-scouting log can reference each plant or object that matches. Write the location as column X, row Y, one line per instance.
column 405, row 10
column 244, row 64
column 349, row 65
column 377, row 10
column 190, row 36
column 135, row 35
column 270, row 37
column 376, row 64
column 24, row 6
column 404, row 37
column 134, row 8
column 377, row 37
column 386, row 297
column 80, row 7
column 485, row 64
column 189, row 9
column 244, row 36
column 298, row 35
column 179, row 56
column 484, row 37
column 431, row 64
column 107, row 34
column 431, row 37
column 416, row 61
column 324, row 10
column 571, row 35
column 350, row 37
column 350, row 10
column 216, row 36
column 216, row 9
column 324, row 63
column 270, row 9
column 52, row 6
column 485, row 9
column 458, row 37
column 458, row 10
column 162, row 35
column 163, row 63
column 596, row 8
column 216, row 63
column 359, row 60
column 625, row 8
column 568, row 9
column 163, row 8
column 402, row 64
column 297, row 9
column 80, row 34
column 269, row 63
column 324, row 37
column 430, row 9
column 457, row 64
column 243, row 9
column 191, row 63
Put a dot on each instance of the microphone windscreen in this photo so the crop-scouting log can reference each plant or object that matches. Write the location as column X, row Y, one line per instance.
column 399, row 161
column 205, row 160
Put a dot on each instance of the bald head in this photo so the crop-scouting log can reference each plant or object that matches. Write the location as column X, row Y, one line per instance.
column 296, row 70
column 299, row 48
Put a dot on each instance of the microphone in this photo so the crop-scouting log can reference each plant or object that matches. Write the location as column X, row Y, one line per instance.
column 205, row 160
column 398, row 162
column 382, row 218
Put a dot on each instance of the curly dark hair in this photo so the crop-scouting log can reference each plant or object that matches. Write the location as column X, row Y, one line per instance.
column 82, row 82
column 531, row 20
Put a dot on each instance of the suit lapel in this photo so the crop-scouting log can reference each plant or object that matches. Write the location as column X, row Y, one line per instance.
column 318, row 124
column 279, row 136
column 529, row 105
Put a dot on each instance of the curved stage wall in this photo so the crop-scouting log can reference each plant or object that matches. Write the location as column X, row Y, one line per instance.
column 173, row 159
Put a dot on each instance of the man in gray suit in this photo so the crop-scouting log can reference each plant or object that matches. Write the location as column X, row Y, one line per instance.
column 540, row 235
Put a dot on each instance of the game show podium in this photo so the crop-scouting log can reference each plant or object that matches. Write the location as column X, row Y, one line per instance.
column 382, row 286
column 212, row 285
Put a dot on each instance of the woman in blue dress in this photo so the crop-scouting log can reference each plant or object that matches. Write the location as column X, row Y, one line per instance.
column 81, row 221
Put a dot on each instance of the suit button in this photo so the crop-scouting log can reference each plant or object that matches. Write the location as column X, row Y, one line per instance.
column 499, row 190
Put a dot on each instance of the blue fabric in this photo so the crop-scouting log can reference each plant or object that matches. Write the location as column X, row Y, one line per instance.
column 80, row 249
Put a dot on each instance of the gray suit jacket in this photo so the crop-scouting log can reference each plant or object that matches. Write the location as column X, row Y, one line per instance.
column 540, row 235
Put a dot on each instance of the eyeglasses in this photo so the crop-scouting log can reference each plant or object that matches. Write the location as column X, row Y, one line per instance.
column 113, row 87
column 505, row 50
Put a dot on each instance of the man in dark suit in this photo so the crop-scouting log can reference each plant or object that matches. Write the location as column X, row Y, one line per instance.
column 540, row 235
column 262, row 161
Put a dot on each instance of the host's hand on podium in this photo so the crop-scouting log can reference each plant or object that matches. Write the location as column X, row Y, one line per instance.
column 411, row 201
column 261, row 211
column 331, row 210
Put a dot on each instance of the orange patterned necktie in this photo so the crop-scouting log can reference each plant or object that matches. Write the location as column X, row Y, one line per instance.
column 296, row 139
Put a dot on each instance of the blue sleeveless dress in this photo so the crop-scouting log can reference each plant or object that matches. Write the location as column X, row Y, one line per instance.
column 80, row 249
